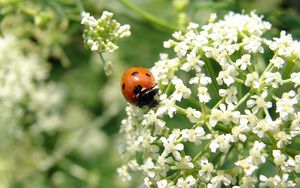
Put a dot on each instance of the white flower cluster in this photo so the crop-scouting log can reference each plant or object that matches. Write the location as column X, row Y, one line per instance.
column 101, row 35
column 239, row 93
column 29, row 107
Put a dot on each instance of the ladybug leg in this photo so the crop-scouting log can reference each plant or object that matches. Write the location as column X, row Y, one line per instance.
column 148, row 97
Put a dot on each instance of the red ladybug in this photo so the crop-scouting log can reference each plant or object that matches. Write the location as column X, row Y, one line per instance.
column 137, row 85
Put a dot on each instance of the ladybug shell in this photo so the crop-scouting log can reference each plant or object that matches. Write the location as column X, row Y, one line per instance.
column 136, row 77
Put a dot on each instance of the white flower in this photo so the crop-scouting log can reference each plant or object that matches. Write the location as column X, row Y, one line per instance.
column 247, row 166
column 256, row 154
column 149, row 168
column 279, row 158
column 170, row 146
column 273, row 79
column 203, row 94
column 227, row 76
column 166, row 105
column 252, row 80
column 194, row 135
column 207, row 169
column 193, row 62
column 180, row 90
column 244, row 61
column 266, row 125
column 282, row 139
column 258, row 101
column 190, row 181
column 102, row 34
column 276, row 181
column 221, row 142
column 240, row 115
column 225, row 115
column 239, row 133
column 220, row 179
column 193, row 115
column 252, row 44
column 277, row 62
column 230, row 95
column 162, row 184
column 185, row 163
column 164, row 68
column 181, row 49
column 283, row 45
column 295, row 77
column 123, row 173
column 285, row 105
column 152, row 118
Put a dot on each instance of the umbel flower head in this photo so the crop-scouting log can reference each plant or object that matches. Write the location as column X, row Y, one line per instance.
column 238, row 92
column 101, row 35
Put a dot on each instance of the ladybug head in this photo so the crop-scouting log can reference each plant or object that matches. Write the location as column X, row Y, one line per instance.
column 147, row 97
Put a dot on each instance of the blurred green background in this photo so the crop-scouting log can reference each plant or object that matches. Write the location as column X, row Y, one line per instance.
column 74, row 143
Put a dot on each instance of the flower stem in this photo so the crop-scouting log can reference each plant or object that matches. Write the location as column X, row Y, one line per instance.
column 212, row 75
column 149, row 17
column 79, row 5
column 242, row 100
column 102, row 58
column 288, row 69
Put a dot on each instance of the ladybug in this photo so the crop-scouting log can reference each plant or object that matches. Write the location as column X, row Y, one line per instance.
column 137, row 86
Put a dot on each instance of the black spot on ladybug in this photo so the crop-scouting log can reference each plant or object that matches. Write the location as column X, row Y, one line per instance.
column 123, row 86
column 137, row 89
column 134, row 73
column 147, row 74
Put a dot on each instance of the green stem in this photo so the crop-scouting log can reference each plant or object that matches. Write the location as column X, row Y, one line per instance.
column 149, row 17
column 79, row 5
column 213, row 75
column 288, row 69
column 287, row 81
column 167, row 89
column 242, row 100
column 180, row 111
column 293, row 151
column 240, row 81
column 102, row 58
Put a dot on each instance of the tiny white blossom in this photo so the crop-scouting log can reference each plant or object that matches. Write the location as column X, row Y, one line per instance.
column 203, row 94
column 101, row 35
column 207, row 169
column 220, row 179
column 180, row 90
column 189, row 182
column 123, row 173
column 185, row 163
column 252, row 80
column 247, row 166
column 285, row 105
column 258, row 101
column 227, row 76
column 230, row 94
column 166, row 105
column 276, row 181
column 273, row 79
column 193, row 115
column 277, row 62
column 295, row 77
column 162, row 184
column 244, row 62
column 170, row 146
column 221, row 142
column 266, row 125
